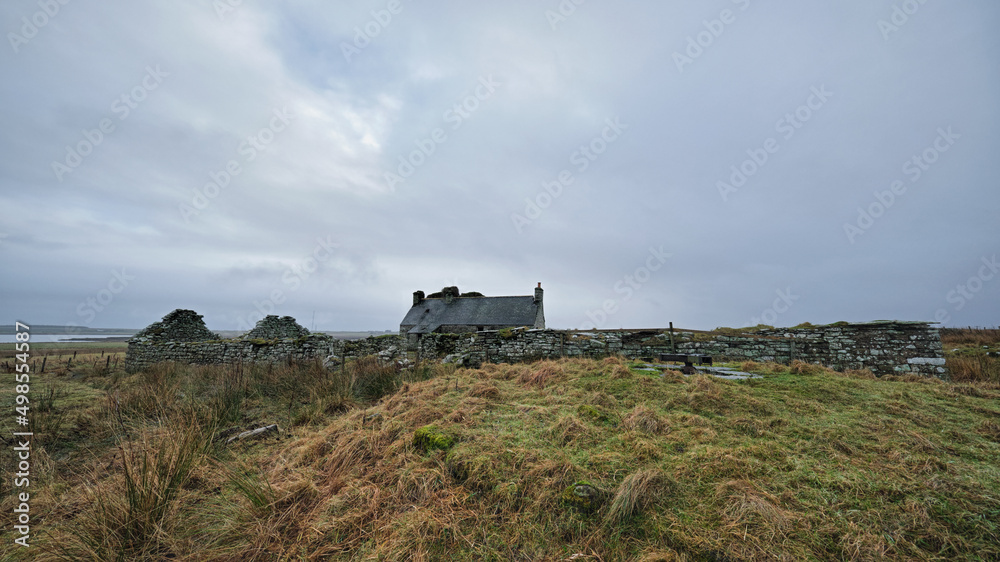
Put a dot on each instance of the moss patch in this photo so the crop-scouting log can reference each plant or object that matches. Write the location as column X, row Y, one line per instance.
column 584, row 496
column 429, row 437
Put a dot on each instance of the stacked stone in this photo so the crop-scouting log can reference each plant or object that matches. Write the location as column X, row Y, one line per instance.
column 883, row 347
column 272, row 327
column 178, row 326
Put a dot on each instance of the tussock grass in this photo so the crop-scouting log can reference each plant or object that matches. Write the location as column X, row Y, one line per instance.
column 638, row 492
column 644, row 419
column 802, row 368
column 972, row 354
column 371, row 380
column 974, row 368
column 132, row 515
column 804, row 463
column 542, row 373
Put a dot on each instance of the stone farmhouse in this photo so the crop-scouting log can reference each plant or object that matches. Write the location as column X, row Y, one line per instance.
column 452, row 312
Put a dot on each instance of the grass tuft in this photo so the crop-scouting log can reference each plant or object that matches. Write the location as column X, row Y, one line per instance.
column 645, row 420
column 542, row 374
column 133, row 517
column 638, row 492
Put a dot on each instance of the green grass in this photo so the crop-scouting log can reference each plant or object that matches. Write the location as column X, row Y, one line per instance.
column 56, row 348
column 537, row 461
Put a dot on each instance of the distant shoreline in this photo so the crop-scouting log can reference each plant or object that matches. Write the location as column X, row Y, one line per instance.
column 49, row 330
column 120, row 339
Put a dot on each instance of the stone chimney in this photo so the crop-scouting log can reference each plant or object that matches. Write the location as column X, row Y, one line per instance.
column 418, row 297
column 538, row 294
column 449, row 294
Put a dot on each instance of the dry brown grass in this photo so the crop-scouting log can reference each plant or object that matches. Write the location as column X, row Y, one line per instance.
column 621, row 372
column 643, row 419
column 991, row 429
column 487, row 390
column 970, row 336
column 802, row 368
column 704, row 393
column 976, row 368
column 972, row 354
column 748, row 507
column 567, row 429
column 542, row 374
column 673, row 377
column 767, row 368
column 865, row 374
column 638, row 492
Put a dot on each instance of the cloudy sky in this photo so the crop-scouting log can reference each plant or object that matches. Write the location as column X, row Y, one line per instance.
column 712, row 163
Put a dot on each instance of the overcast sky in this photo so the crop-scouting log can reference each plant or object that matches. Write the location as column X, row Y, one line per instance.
column 712, row 163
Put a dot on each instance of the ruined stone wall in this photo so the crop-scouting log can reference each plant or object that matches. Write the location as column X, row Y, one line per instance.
column 883, row 347
column 271, row 327
column 144, row 354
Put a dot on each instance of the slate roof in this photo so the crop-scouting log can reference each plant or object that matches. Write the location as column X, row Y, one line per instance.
column 432, row 313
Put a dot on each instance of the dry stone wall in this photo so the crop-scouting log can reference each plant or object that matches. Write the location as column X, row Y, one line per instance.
column 883, row 347
column 178, row 326
column 272, row 327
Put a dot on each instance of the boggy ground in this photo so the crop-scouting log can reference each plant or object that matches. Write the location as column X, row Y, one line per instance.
column 555, row 460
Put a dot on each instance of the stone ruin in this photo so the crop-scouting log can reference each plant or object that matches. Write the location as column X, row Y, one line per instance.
column 272, row 327
column 178, row 326
column 886, row 348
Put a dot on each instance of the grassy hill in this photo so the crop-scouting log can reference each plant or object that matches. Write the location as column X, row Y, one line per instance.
column 555, row 460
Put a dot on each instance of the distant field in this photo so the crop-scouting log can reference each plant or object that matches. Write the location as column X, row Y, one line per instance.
column 39, row 350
